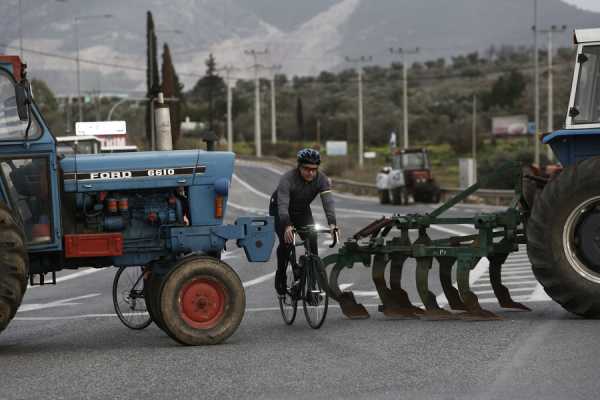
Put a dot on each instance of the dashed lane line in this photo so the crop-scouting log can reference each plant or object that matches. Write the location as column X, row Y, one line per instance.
column 258, row 280
column 57, row 303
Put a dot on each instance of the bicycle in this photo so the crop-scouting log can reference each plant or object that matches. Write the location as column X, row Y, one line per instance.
column 303, row 280
column 128, row 297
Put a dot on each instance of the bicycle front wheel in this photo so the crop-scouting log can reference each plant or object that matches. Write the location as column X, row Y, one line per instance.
column 128, row 298
column 288, row 304
column 315, row 300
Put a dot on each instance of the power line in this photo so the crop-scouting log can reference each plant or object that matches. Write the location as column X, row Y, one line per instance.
column 92, row 62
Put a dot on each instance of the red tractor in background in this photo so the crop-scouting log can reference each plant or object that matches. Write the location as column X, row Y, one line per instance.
column 409, row 178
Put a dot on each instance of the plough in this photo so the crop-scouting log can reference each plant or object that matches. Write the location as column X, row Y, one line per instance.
column 386, row 243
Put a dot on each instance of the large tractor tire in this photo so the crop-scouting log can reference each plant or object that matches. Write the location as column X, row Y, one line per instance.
column 14, row 266
column 563, row 235
column 202, row 301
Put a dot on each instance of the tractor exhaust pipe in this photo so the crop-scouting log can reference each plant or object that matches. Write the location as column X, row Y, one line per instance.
column 162, row 117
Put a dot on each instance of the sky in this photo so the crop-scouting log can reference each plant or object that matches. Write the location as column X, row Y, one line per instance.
column 592, row 5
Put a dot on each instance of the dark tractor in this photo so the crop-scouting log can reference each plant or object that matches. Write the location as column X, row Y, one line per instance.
column 409, row 177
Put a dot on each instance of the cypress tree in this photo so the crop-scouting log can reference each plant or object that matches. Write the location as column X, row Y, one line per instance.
column 152, row 81
column 172, row 89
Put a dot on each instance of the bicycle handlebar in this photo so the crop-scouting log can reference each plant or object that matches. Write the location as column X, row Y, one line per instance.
column 335, row 232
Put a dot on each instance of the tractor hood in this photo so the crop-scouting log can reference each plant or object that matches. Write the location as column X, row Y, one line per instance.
column 144, row 170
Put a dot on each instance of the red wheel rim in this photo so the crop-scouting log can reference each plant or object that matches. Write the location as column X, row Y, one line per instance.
column 202, row 303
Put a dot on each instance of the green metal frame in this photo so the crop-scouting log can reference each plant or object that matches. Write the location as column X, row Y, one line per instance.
column 499, row 234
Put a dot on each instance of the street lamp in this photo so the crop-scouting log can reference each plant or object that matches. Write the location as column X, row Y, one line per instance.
column 77, row 19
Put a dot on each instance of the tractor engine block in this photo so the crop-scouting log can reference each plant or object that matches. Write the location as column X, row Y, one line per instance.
column 135, row 214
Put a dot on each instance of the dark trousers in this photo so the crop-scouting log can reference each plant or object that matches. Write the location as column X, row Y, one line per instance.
column 284, row 249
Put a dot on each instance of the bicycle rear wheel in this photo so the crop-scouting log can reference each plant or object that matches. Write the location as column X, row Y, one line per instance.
column 288, row 304
column 314, row 300
column 128, row 298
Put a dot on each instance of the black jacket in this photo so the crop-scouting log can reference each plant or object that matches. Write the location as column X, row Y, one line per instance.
column 294, row 195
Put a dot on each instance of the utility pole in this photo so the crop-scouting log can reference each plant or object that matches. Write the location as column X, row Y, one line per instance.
column 474, row 138
column 273, row 68
column 68, row 114
column 403, row 53
column 536, row 154
column 360, row 60
column 550, row 127
column 318, row 134
column 21, row 30
column 256, row 66
column 228, row 69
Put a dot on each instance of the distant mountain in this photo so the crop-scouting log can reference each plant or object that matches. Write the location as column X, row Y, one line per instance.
column 305, row 36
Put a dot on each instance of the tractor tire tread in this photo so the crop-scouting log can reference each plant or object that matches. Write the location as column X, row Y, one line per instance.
column 544, row 236
column 14, row 266
column 188, row 269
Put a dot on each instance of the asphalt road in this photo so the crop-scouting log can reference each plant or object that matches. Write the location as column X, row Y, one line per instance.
column 66, row 342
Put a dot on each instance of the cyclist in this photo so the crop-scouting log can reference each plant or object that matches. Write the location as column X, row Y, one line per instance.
column 290, row 205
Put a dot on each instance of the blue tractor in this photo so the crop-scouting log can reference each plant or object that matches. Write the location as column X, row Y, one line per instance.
column 160, row 210
column 563, row 229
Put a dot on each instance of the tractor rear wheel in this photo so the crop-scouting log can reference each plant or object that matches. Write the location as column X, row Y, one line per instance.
column 202, row 301
column 563, row 235
column 14, row 266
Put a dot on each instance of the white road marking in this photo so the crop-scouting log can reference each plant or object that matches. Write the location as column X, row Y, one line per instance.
column 365, row 293
column 257, row 211
column 474, row 276
column 539, row 294
column 250, row 188
column 57, row 303
column 517, row 269
column 263, row 165
column 488, row 284
column 494, row 300
column 511, row 290
column 72, row 276
column 517, row 264
column 344, row 286
column 231, row 254
column 258, row 280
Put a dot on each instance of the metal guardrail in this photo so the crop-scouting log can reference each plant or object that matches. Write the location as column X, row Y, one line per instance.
column 487, row 196
column 496, row 197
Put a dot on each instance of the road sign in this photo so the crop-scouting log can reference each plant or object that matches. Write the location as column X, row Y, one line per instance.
column 336, row 148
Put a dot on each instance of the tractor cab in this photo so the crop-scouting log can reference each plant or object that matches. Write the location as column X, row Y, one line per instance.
column 414, row 163
column 411, row 159
column 579, row 138
column 27, row 158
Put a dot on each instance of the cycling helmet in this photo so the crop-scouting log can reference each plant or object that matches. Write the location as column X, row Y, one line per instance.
column 309, row 156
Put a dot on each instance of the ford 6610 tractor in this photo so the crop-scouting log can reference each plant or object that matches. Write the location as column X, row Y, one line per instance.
column 160, row 210
column 557, row 218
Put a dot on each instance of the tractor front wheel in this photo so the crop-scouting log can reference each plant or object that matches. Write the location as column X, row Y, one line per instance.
column 14, row 266
column 563, row 235
column 202, row 301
